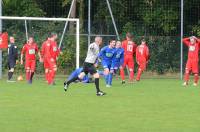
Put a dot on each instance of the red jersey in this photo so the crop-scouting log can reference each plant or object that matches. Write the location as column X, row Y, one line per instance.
column 129, row 47
column 142, row 53
column 54, row 49
column 193, row 49
column 30, row 51
column 46, row 49
column 4, row 40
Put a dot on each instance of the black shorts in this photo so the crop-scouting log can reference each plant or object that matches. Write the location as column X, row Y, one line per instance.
column 89, row 68
column 11, row 64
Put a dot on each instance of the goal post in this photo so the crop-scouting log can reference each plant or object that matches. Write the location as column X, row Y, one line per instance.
column 26, row 19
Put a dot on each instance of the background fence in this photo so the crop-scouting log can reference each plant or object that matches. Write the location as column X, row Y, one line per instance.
column 159, row 21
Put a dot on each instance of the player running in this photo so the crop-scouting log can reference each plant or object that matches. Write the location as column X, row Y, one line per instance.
column 89, row 66
column 142, row 57
column 129, row 50
column 193, row 45
column 29, row 49
column 106, row 55
column 12, row 58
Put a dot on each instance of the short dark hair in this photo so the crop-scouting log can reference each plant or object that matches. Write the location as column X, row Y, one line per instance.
column 129, row 35
column 111, row 40
column 52, row 34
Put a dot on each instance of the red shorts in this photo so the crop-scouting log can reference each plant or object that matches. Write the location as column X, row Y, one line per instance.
column 142, row 65
column 49, row 63
column 30, row 64
column 128, row 61
column 192, row 65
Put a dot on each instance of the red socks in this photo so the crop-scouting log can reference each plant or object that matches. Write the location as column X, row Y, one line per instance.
column 196, row 78
column 28, row 75
column 122, row 74
column 139, row 74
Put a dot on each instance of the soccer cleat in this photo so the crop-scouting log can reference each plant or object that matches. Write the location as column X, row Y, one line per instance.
column 65, row 86
column 29, row 82
column 108, row 86
column 195, row 84
column 100, row 93
column 185, row 83
column 137, row 79
column 123, row 82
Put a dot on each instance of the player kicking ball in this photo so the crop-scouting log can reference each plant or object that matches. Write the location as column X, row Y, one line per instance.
column 142, row 57
column 89, row 66
column 193, row 45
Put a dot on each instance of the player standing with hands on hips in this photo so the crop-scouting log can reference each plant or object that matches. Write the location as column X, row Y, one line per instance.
column 142, row 57
column 193, row 45
column 89, row 66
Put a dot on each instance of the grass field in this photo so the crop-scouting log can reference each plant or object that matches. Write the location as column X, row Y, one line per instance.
column 152, row 105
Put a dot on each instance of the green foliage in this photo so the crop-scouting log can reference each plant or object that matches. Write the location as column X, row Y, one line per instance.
column 157, row 20
column 22, row 8
column 164, row 53
column 196, row 29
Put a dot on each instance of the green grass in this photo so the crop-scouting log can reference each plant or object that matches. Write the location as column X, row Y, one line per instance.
column 152, row 105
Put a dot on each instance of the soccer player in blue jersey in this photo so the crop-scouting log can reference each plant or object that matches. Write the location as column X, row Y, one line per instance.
column 106, row 55
column 118, row 58
column 75, row 74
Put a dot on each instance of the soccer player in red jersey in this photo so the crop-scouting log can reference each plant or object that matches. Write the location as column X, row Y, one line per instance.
column 129, row 50
column 142, row 57
column 46, row 55
column 50, row 52
column 193, row 45
column 55, row 51
column 29, row 49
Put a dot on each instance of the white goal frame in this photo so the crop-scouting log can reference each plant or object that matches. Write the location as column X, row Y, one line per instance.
column 52, row 19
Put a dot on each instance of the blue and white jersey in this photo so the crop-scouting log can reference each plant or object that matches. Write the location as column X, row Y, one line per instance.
column 118, row 58
column 106, row 55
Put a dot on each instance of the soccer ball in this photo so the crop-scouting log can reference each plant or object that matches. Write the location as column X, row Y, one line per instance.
column 19, row 78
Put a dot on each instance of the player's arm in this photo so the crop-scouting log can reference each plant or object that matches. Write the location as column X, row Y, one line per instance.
column 40, row 57
column 137, row 52
column 42, row 52
column 22, row 55
column 147, row 54
column 186, row 41
column 198, row 40
column 123, row 44
column 113, row 61
column 96, row 62
column 134, row 47
column 15, row 53
column 102, row 52
column 122, row 58
column 37, row 50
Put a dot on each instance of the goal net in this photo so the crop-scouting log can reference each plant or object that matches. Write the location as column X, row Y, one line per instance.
column 39, row 28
